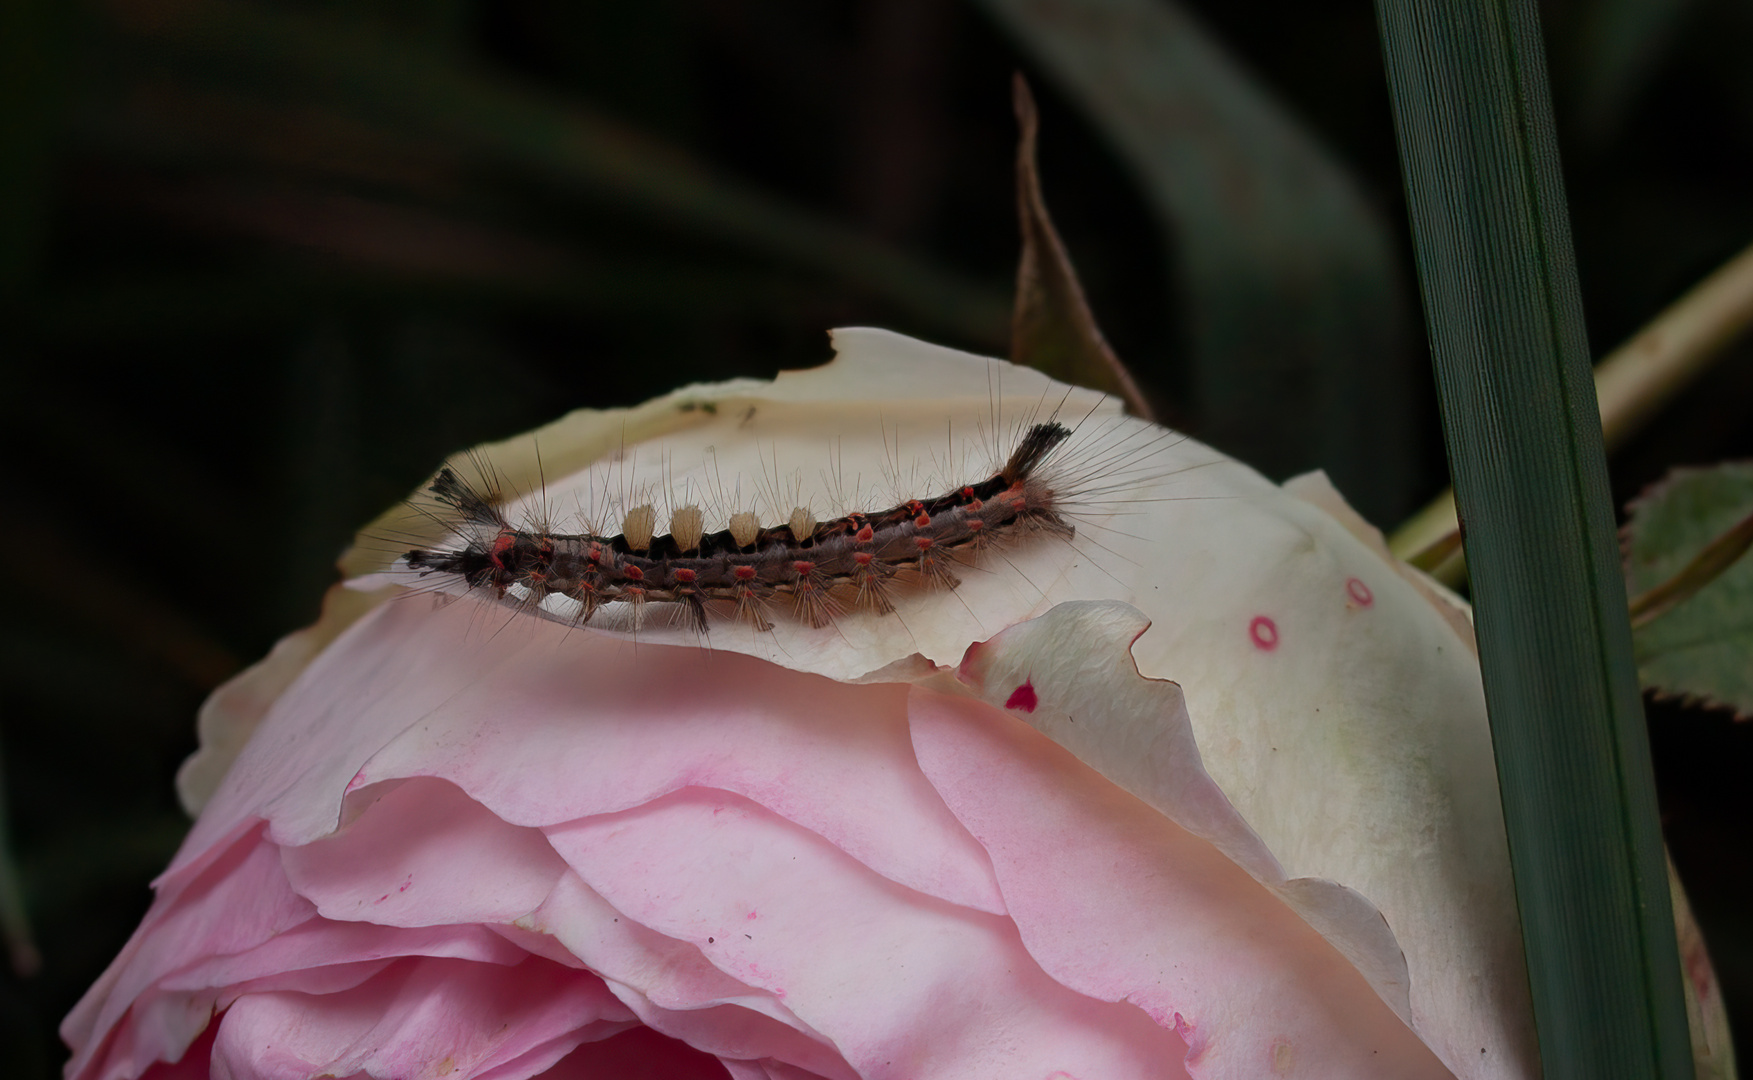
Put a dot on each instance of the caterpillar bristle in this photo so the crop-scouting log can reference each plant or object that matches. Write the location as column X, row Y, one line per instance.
column 872, row 589
column 1036, row 446
column 481, row 508
column 751, row 608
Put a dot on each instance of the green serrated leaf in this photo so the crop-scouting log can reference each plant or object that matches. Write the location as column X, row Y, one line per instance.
column 1703, row 649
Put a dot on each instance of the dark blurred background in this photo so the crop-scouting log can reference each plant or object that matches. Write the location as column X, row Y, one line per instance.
column 262, row 264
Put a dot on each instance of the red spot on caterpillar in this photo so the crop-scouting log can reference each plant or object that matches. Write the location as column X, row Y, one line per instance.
column 864, row 535
column 1360, row 592
column 863, row 558
column 1264, row 632
column 974, row 524
column 744, row 573
column 685, row 576
column 502, row 545
column 924, row 542
column 634, row 573
column 804, row 568
column 1023, row 698
column 923, row 521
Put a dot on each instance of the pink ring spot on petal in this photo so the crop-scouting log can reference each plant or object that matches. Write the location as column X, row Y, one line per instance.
column 1360, row 592
column 1264, row 632
column 1023, row 697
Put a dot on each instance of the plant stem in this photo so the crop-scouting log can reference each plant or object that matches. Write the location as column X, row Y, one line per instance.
column 1632, row 383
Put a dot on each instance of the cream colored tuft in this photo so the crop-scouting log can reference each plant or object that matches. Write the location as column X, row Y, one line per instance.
column 639, row 526
column 745, row 528
column 687, row 526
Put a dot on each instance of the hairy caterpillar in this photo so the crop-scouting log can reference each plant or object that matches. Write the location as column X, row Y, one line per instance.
column 1031, row 492
column 744, row 565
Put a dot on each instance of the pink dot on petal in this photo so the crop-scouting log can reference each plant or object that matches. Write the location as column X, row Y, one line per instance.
column 1360, row 592
column 1264, row 632
column 1023, row 697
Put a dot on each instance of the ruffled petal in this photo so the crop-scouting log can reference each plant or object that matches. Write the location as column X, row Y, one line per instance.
column 1117, row 902
column 499, row 715
column 1071, row 676
column 422, row 853
column 420, row 1019
column 901, row 984
column 238, row 901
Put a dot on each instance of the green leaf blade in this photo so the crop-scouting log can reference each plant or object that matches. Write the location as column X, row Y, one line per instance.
column 1504, row 313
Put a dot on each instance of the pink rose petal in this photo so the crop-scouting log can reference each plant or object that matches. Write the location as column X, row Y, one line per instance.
column 674, row 988
column 239, row 900
column 425, row 853
column 418, row 1019
column 499, row 716
column 1089, row 697
column 959, row 995
column 1117, row 902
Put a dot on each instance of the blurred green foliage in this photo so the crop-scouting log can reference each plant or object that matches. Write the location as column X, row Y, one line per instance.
column 264, row 262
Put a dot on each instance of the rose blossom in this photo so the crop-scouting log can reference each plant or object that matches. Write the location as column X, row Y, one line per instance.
column 452, row 846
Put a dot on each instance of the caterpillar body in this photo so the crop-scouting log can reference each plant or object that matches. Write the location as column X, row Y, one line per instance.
column 898, row 503
column 856, row 560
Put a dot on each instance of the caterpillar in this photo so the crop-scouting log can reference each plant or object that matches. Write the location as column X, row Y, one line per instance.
column 822, row 568
column 893, row 505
